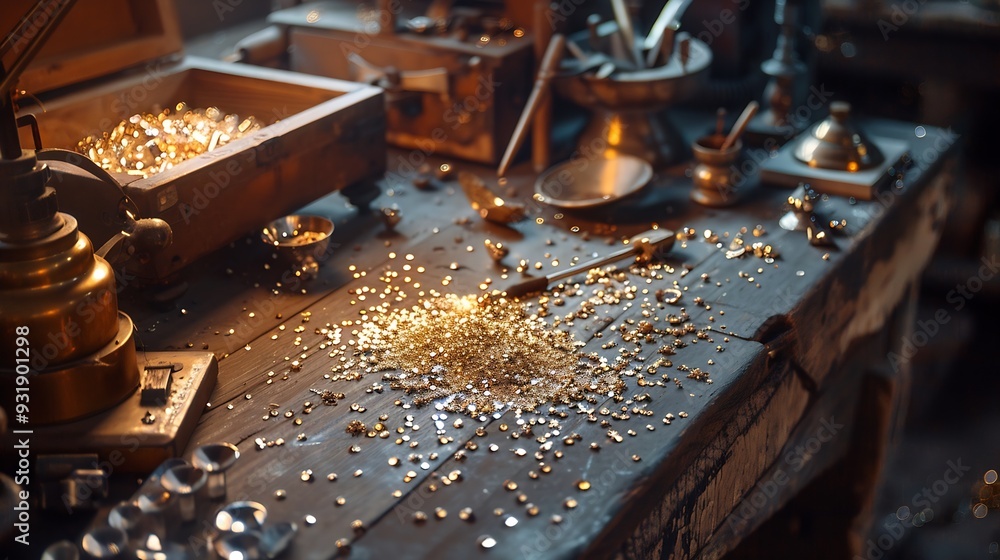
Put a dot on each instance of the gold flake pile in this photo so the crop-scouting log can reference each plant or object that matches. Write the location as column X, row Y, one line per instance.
column 482, row 354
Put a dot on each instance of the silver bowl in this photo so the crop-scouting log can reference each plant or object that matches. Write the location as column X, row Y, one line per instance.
column 301, row 241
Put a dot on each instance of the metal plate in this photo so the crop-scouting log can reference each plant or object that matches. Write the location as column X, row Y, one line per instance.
column 586, row 183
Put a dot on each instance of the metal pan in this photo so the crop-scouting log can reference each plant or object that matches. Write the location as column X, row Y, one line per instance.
column 586, row 183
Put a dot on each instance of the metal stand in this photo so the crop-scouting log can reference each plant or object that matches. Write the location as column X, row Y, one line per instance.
column 783, row 93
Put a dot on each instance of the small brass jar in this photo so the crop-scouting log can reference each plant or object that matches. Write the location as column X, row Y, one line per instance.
column 713, row 172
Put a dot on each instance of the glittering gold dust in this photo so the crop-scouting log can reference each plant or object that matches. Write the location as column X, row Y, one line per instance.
column 146, row 144
column 481, row 354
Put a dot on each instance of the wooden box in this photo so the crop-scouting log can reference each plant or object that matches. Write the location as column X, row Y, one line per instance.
column 322, row 134
column 471, row 115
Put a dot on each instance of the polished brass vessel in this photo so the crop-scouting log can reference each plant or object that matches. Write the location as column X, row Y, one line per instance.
column 59, row 296
column 834, row 143
column 713, row 171
column 83, row 356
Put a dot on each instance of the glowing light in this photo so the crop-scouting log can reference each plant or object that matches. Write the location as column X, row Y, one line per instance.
column 615, row 131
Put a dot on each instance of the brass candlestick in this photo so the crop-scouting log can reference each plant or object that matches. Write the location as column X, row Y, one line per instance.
column 783, row 92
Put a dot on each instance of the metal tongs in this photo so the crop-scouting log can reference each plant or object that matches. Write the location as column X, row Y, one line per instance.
column 644, row 246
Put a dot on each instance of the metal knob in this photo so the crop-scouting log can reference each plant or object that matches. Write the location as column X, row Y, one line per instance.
column 157, row 474
column 128, row 517
column 245, row 546
column 835, row 143
column 156, row 504
column 276, row 538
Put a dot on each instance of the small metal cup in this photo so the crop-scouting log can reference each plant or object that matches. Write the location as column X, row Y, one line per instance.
column 300, row 241
column 713, row 172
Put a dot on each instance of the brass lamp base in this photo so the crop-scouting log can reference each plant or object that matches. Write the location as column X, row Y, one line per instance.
column 78, row 389
column 136, row 435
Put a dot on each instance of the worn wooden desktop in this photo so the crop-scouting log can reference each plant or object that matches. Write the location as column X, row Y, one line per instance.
column 780, row 454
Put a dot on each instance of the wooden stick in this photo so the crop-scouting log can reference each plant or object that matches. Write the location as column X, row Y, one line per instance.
column 542, row 126
column 741, row 124
column 545, row 72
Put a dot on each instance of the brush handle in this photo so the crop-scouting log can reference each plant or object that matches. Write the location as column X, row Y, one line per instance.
column 740, row 126
column 546, row 70
column 626, row 31
column 594, row 32
column 653, row 241
column 528, row 287
column 670, row 13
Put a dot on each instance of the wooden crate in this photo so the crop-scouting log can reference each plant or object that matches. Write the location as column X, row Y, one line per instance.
column 95, row 39
column 322, row 135
column 474, row 119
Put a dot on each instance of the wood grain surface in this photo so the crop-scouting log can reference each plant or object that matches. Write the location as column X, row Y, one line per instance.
column 684, row 489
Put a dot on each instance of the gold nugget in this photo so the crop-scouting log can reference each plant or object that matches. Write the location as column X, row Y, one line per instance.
column 146, row 144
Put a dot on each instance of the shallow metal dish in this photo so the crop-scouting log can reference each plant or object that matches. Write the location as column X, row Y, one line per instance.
column 585, row 183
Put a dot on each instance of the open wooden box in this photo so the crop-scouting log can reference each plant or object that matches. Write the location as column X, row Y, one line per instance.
column 323, row 134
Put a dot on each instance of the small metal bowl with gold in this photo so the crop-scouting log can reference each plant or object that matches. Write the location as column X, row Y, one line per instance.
column 300, row 241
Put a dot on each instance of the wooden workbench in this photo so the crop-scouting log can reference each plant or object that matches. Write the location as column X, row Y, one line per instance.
column 802, row 404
